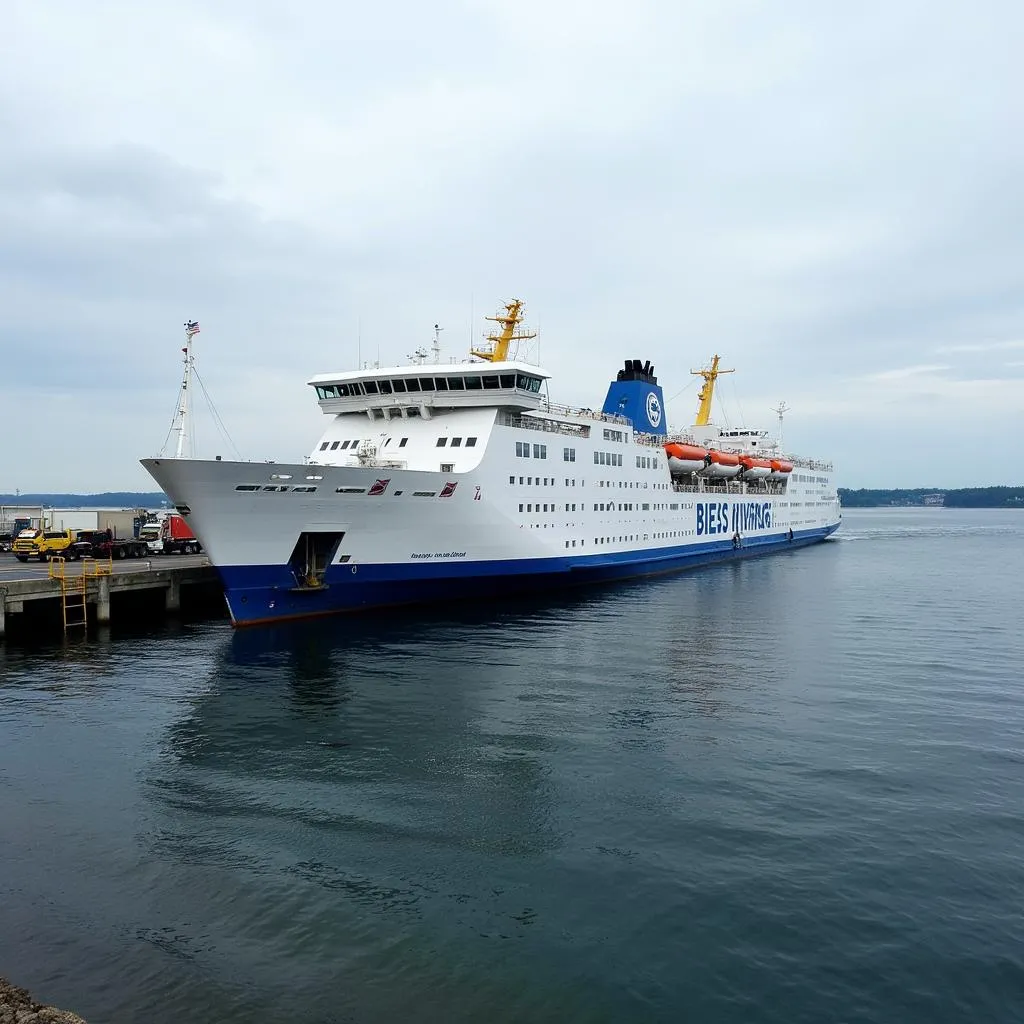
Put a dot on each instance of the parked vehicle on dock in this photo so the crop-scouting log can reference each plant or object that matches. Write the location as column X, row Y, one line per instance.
column 42, row 544
column 104, row 544
column 170, row 535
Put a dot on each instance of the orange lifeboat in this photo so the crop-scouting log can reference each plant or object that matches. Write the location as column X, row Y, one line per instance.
column 780, row 469
column 721, row 464
column 755, row 469
column 685, row 458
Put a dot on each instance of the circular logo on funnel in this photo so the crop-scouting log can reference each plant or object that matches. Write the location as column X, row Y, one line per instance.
column 653, row 409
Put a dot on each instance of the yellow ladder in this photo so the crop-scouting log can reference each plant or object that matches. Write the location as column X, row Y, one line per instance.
column 72, row 594
column 74, row 588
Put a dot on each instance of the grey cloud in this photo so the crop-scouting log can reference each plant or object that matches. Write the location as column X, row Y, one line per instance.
column 821, row 194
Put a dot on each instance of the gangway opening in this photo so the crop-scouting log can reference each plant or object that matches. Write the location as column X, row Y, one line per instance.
column 313, row 553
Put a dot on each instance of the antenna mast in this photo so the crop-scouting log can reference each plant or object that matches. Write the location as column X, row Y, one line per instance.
column 191, row 330
column 498, row 350
column 780, row 410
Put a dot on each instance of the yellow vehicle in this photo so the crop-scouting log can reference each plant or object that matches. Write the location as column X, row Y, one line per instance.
column 42, row 544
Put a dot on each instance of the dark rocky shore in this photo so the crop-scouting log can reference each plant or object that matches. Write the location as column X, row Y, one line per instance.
column 18, row 1007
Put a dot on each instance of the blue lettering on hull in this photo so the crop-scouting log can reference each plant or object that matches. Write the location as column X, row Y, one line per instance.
column 718, row 517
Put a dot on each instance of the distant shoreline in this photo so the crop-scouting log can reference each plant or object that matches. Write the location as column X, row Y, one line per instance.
column 933, row 497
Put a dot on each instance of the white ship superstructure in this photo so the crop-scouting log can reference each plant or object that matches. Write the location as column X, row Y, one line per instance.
column 445, row 481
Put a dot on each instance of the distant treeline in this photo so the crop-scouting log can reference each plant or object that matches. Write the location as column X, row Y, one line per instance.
column 108, row 499
column 964, row 497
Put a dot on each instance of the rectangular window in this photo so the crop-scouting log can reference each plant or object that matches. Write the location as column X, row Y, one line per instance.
column 520, row 506
column 456, row 442
column 569, row 454
column 470, row 442
column 473, row 384
column 344, row 445
column 491, row 383
column 597, row 460
column 508, row 380
column 447, row 467
column 441, row 442
column 441, row 383
column 247, row 487
column 412, row 384
column 426, row 383
column 540, row 451
column 456, row 384
column 522, row 450
column 324, row 445
column 403, row 442
column 529, row 508
column 371, row 386
column 349, row 490
column 398, row 386
column 334, row 444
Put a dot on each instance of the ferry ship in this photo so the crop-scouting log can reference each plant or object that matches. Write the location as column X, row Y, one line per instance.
column 443, row 481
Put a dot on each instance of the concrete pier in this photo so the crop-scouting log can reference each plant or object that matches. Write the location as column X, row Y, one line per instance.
column 27, row 585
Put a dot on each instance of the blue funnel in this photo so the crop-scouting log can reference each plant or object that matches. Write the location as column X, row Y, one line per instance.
column 636, row 395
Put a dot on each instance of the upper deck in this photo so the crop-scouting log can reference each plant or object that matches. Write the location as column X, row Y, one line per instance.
column 398, row 390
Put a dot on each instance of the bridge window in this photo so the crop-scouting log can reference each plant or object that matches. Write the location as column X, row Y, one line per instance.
column 456, row 384
column 371, row 386
column 491, row 383
column 456, row 442
column 334, row 444
column 470, row 442
column 398, row 386
column 441, row 442
column 426, row 383
column 412, row 384
column 508, row 380
column 526, row 383
column 473, row 384
column 441, row 383
column 323, row 447
column 385, row 387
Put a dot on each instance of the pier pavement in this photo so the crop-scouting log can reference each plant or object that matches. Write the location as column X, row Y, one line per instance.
column 24, row 583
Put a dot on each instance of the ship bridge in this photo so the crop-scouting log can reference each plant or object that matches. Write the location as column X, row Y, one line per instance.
column 418, row 390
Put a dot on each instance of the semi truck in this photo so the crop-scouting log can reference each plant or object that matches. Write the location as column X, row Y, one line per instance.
column 170, row 535
column 106, row 544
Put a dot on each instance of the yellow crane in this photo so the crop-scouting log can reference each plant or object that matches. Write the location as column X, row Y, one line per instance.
column 710, row 375
column 498, row 351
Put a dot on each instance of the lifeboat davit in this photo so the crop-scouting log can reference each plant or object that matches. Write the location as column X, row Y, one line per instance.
column 685, row 458
column 755, row 469
column 780, row 469
column 721, row 464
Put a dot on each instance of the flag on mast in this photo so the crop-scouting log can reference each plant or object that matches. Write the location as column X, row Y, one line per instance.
column 192, row 329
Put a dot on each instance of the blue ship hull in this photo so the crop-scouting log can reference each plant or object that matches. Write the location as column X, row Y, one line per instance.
column 258, row 594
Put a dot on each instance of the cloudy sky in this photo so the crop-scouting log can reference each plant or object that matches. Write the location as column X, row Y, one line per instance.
column 829, row 195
